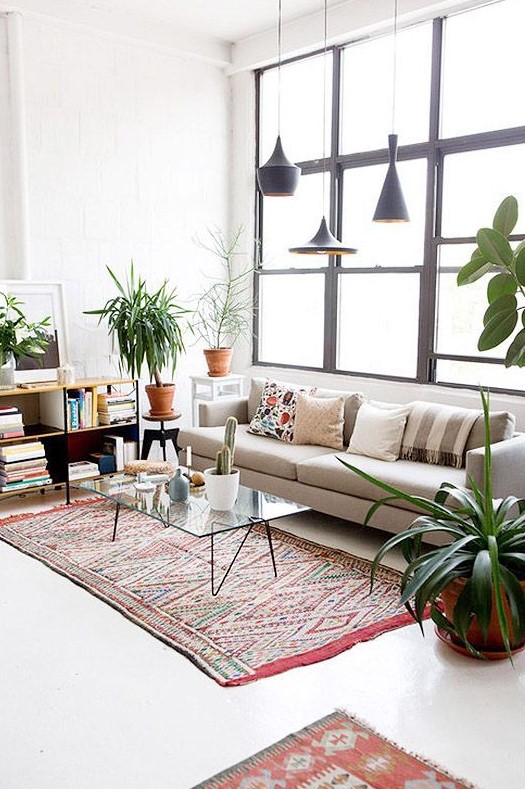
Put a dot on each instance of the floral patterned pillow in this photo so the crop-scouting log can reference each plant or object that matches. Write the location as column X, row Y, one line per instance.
column 275, row 415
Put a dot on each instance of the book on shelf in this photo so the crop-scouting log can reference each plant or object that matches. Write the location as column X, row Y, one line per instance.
column 26, row 451
column 11, row 433
column 38, row 482
column 113, row 398
column 131, row 450
column 81, row 469
column 9, row 409
column 21, row 476
column 118, row 418
column 20, row 465
column 12, row 418
column 114, row 445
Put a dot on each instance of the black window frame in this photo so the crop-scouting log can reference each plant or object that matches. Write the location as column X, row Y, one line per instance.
column 434, row 150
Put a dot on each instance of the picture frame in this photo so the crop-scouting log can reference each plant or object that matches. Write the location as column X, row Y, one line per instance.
column 41, row 299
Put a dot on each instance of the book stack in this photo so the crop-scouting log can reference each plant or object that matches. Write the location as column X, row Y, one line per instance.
column 79, row 408
column 11, row 425
column 116, row 408
column 23, row 466
column 81, row 469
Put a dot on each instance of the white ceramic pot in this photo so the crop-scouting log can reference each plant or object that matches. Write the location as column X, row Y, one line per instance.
column 221, row 489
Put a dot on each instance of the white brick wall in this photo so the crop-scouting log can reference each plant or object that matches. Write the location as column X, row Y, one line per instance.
column 128, row 149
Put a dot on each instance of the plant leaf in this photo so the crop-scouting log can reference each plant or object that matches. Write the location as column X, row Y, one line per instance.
column 503, row 304
column 495, row 247
column 501, row 285
column 482, row 590
column 516, row 349
column 519, row 264
column 499, row 328
column 476, row 268
column 506, row 216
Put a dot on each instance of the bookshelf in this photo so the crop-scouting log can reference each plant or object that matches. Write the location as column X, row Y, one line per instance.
column 69, row 432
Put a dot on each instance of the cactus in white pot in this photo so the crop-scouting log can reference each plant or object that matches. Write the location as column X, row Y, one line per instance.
column 222, row 481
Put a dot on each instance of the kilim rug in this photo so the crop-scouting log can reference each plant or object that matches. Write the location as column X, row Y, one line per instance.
column 336, row 751
column 257, row 625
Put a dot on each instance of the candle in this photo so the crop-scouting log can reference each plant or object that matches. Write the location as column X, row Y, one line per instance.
column 188, row 456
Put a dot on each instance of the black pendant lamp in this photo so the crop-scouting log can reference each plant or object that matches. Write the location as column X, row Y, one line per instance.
column 279, row 177
column 324, row 242
column 391, row 206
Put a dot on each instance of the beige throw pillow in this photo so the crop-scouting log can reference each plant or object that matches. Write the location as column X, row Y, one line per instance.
column 319, row 420
column 378, row 432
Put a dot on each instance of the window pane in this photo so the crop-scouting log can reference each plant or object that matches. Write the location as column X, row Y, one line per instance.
column 384, row 243
column 293, row 222
column 367, row 85
column 292, row 318
column 378, row 323
column 460, row 309
column 483, row 69
column 479, row 373
column 474, row 185
column 301, row 109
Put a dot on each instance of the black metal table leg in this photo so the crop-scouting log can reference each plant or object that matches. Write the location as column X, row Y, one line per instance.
column 117, row 510
column 217, row 590
column 269, row 535
column 266, row 524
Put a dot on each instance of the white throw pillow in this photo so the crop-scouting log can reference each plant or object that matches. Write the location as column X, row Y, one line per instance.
column 378, row 432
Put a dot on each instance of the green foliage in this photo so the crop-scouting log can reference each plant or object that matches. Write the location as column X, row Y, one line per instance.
column 224, row 460
column 485, row 545
column 224, row 311
column 148, row 327
column 19, row 336
column 506, row 288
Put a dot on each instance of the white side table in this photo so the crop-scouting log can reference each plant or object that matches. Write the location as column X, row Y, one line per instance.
column 203, row 387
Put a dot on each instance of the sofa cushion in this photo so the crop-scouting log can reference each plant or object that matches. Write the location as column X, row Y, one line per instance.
column 319, row 420
column 257, row 453
column 275, row 416
column 501, row 423
column 419, row 479
column 353, row 402
column 378, row 432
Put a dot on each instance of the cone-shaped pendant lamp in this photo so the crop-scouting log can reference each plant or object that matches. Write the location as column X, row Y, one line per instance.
column 279, row 177
column 391, row 206
column 324, row 242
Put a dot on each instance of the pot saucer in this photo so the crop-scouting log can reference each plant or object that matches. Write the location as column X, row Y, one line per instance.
column 163, row 416
column 489, row 654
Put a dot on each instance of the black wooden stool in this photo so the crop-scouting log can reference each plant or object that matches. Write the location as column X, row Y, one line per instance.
column 162, row 434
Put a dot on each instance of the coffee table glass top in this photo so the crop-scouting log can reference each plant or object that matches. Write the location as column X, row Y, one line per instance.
column 196, row 516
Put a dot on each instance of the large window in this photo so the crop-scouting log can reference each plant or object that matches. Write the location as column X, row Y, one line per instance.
column 394, row 309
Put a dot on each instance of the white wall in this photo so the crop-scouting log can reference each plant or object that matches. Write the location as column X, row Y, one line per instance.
column 128, row 153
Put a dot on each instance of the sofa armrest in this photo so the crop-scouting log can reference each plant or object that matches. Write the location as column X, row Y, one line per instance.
column 508, row 467
column 216, row 413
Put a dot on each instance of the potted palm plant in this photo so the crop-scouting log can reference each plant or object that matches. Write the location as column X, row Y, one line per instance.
column 475, row 583
column 148, row 329
column 224, row 310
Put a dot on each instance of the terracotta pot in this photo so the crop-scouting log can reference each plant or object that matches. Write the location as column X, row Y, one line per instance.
column 218, row 360
column 160, row 400
column 494, row 641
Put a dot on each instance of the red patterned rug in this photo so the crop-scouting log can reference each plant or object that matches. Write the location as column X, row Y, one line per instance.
column 336, row 751
column 257, row 626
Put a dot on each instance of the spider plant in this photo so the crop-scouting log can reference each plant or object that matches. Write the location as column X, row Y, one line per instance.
column 485, row 546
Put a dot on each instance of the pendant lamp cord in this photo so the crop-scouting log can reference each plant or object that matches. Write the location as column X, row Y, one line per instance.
column 394, row 69
column 324, row 103
column 279, row 51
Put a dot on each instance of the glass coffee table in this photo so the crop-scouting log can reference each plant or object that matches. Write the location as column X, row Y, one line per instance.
column 195, row 516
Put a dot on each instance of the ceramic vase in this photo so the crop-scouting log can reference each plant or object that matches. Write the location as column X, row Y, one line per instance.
column 7, row 372
column 179, row 487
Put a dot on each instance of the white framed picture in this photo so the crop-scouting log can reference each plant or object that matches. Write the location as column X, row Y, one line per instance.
column 39, row 300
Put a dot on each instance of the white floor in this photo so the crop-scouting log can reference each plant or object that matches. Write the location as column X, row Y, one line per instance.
column 89, row 700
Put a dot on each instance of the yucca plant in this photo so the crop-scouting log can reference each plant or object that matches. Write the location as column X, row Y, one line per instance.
column 485, row 546
column 148, row 327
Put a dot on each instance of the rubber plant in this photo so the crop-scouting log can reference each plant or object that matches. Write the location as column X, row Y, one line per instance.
column 485, row 549
column 494, row 255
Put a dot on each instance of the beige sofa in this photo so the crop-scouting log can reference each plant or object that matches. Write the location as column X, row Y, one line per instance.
column 312, row 475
